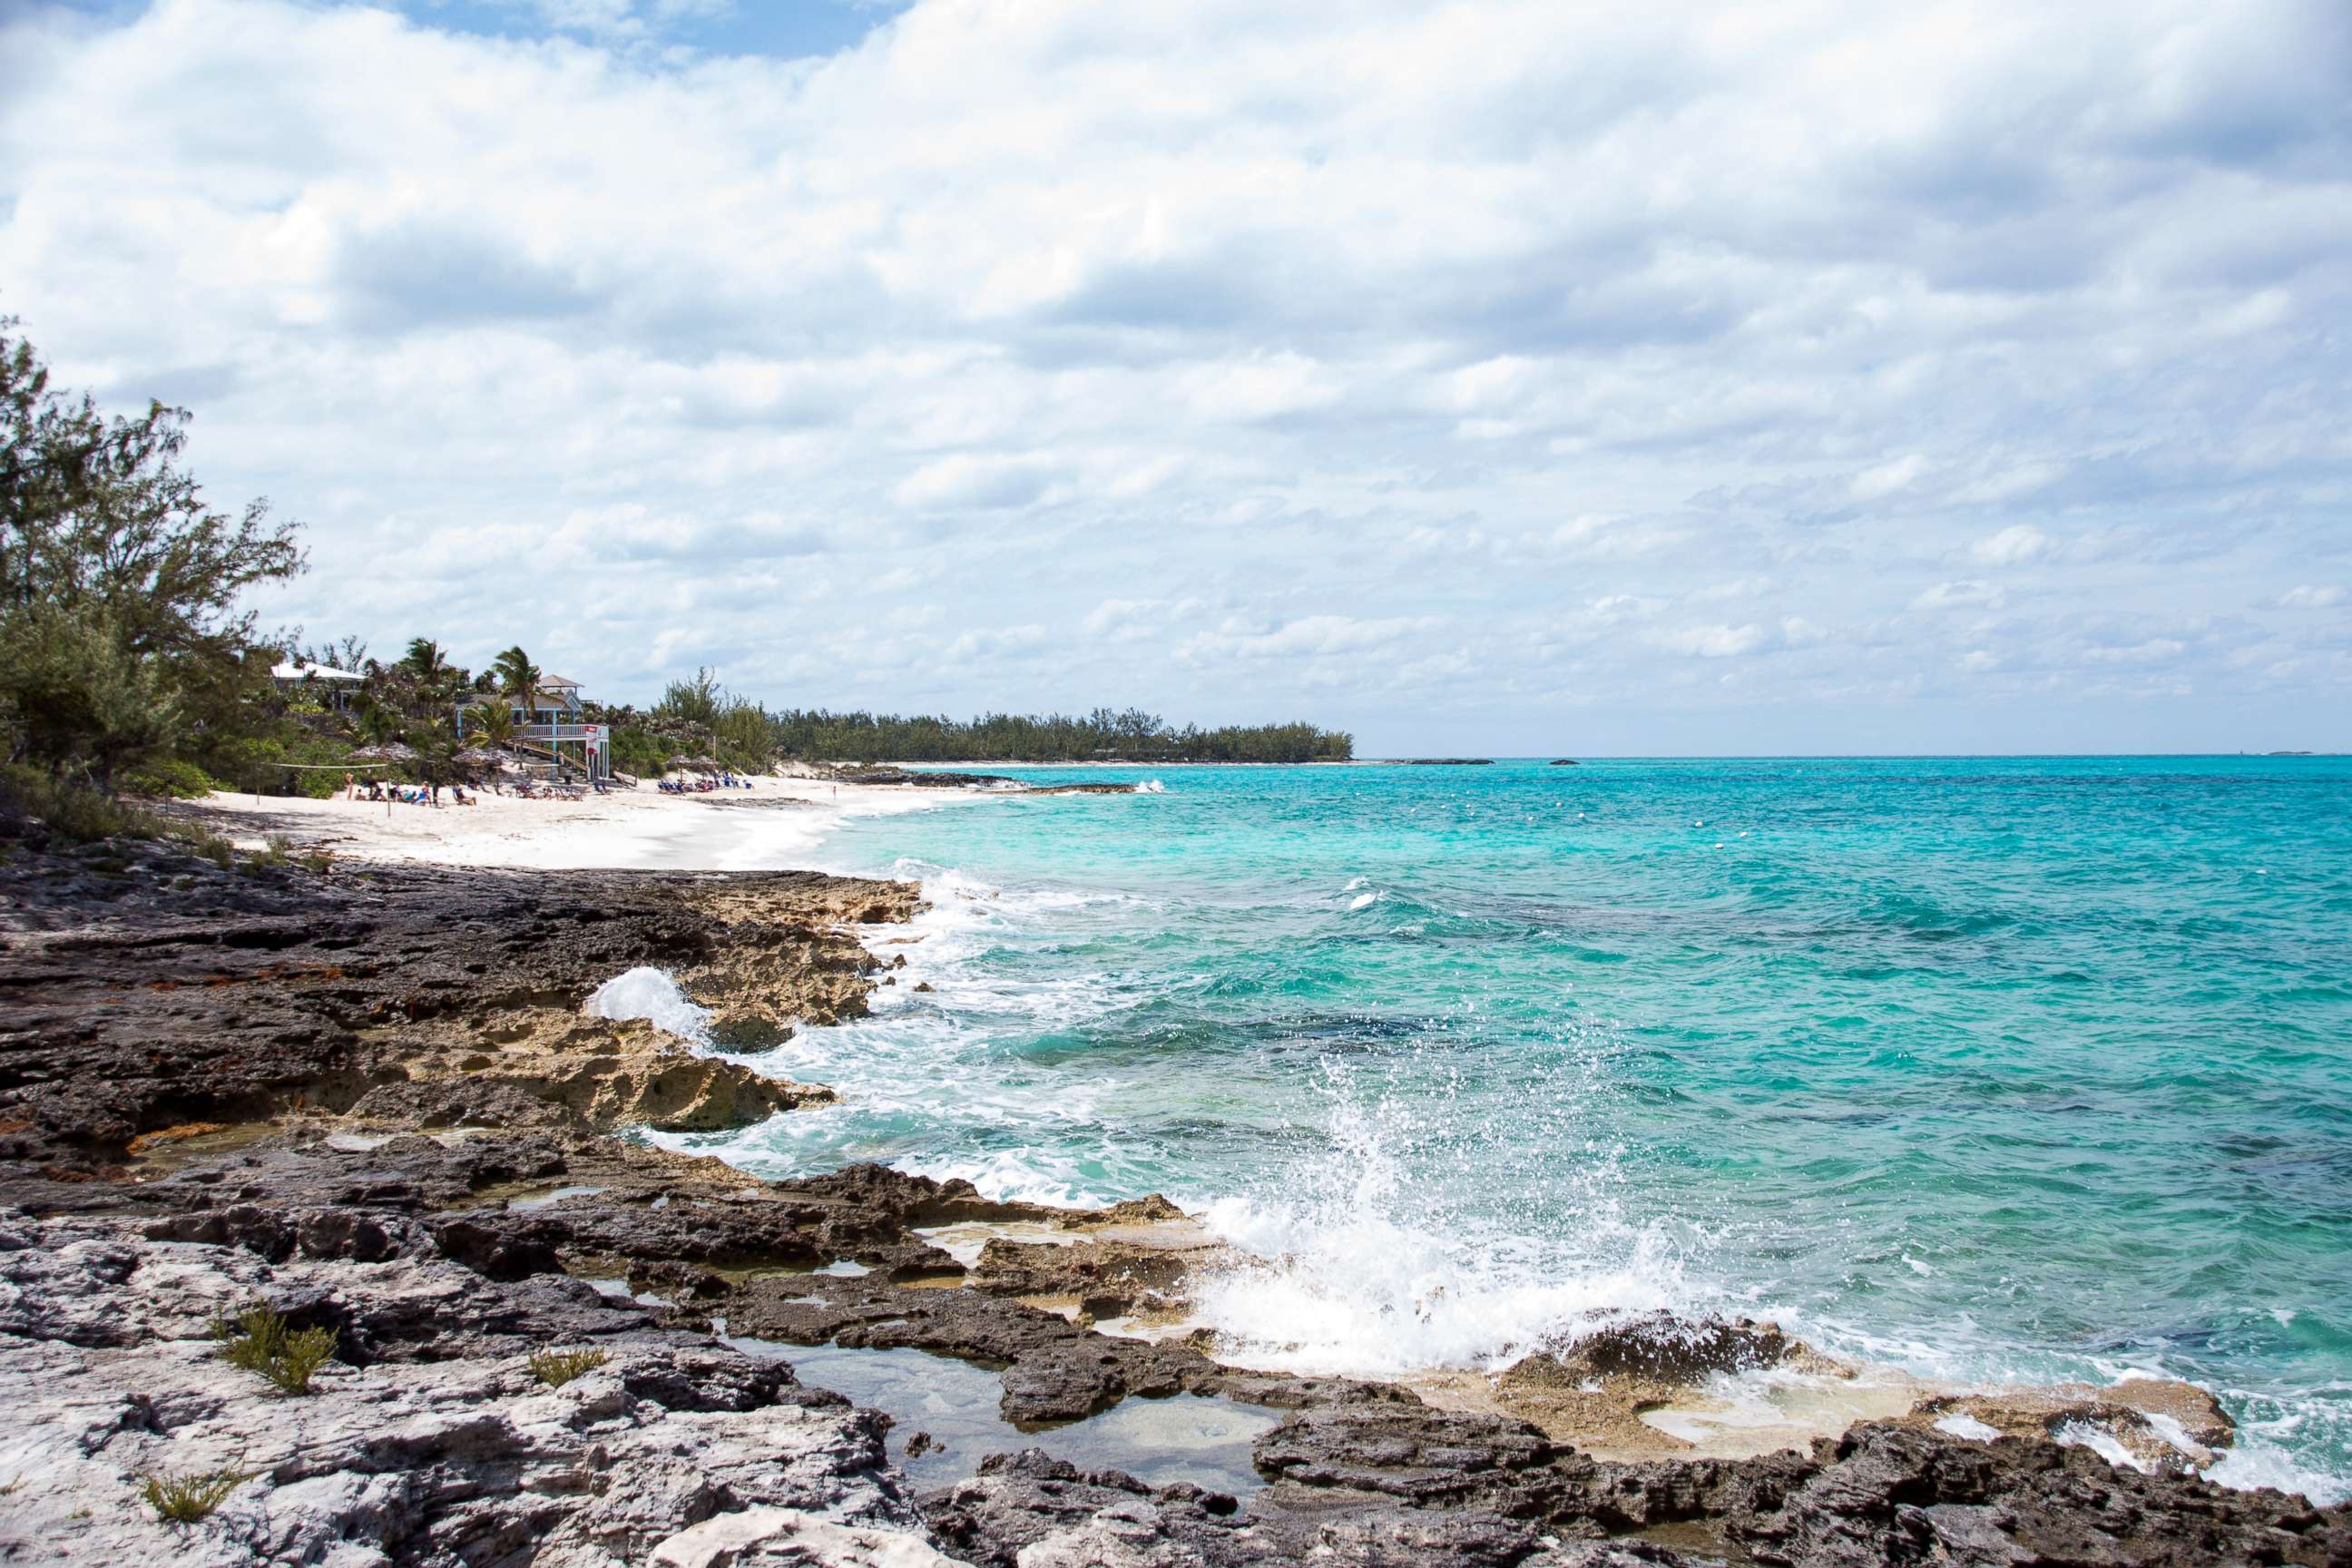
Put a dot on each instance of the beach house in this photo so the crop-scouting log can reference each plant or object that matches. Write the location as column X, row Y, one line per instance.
column 552, row 727
column 321, row 683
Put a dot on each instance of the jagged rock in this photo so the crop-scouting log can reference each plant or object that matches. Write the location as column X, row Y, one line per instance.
column 1108, row 1277
column 790, row 1536
column 1882, row 1494
column 1426, row 1456
column 430, row 1441
column 1592, row 1391
column 2174, row 1427
column 391, row 987
column 1029, row 1510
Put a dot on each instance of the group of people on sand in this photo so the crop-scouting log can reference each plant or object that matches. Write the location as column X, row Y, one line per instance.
column 703, row 784
column 430, row 795
column 404, row 794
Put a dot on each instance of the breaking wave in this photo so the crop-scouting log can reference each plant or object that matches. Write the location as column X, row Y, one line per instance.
column 652, row 994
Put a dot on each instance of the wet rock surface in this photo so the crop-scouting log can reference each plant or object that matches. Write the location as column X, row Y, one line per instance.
column 373, row 1103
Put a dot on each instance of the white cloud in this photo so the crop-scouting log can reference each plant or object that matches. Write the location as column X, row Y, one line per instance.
column 998, row 643
column 2015, row 545
column 966, row 481
column 1126, row 620
column 1967, row 594
column 1715, row 642
column 1432, row 335
column 1619, row 606
column 1887, row 478
column 1309, row 636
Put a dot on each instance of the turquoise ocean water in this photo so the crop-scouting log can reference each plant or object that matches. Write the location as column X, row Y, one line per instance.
column 1991, row 1069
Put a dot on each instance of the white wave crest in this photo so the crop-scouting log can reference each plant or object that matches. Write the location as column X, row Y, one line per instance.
column 1361, row 1278
column 2255, row 1463
column 1150, row 786
column 650, row 993
column 1017, row 1175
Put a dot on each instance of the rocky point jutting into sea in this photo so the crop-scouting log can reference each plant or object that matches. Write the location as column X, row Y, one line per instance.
column 374, row 1102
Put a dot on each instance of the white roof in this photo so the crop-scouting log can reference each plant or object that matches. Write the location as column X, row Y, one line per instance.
column 323, row 671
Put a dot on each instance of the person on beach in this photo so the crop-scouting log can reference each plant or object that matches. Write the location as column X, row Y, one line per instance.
column 350, row 787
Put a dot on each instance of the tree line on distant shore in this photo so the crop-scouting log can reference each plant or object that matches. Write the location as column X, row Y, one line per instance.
column 700, row 714
column 129, row 664
column 1099, row 736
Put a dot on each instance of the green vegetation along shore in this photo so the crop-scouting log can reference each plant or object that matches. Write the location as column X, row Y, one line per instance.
column 129, row 664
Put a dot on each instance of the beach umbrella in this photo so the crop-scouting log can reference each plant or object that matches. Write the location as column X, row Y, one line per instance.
column 679, row 764
column 482, row 757
column 390, row 751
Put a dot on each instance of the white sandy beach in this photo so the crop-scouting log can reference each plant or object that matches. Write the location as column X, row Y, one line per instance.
column 771, row 826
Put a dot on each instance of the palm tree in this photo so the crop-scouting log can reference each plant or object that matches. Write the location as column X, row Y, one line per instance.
column 426, row 660
column 492, row 723
column 518, row 677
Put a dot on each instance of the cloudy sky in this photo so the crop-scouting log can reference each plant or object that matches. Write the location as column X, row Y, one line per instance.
column 1485, row 375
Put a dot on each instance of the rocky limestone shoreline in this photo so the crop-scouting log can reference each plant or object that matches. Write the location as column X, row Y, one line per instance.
column 373, row 1102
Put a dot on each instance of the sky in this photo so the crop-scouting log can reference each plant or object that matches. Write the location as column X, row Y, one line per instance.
column 1479, row 377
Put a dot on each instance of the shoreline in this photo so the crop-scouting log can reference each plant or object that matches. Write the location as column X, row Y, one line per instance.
column 670, row 834
column 418, row 1026
column 755, row 829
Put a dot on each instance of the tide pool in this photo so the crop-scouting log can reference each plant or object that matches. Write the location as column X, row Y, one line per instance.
column 1992, row 1069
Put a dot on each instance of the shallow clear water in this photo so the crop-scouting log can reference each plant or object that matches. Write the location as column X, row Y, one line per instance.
column 1994, row 1070
column 1184, row 1437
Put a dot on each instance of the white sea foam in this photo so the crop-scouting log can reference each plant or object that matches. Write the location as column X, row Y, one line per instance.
column 1027, row 1174
column 1364, row 901
column 2255, row 1462
column 1959, row 1424
column 1355, row 1273
column 1380, row 1300
column 2260, row 1455
column 650, row 993
column 1151, row 786
column 2100, row 1441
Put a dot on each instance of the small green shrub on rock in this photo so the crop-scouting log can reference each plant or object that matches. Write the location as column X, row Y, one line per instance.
column 282, row 851
column 556, row 1368
column 190, row 1498
column 259, row 1342
column 220, row 851
column 35, row 806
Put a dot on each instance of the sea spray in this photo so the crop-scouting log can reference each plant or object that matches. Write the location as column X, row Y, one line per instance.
column 1367, row 1264
column 652, row 994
